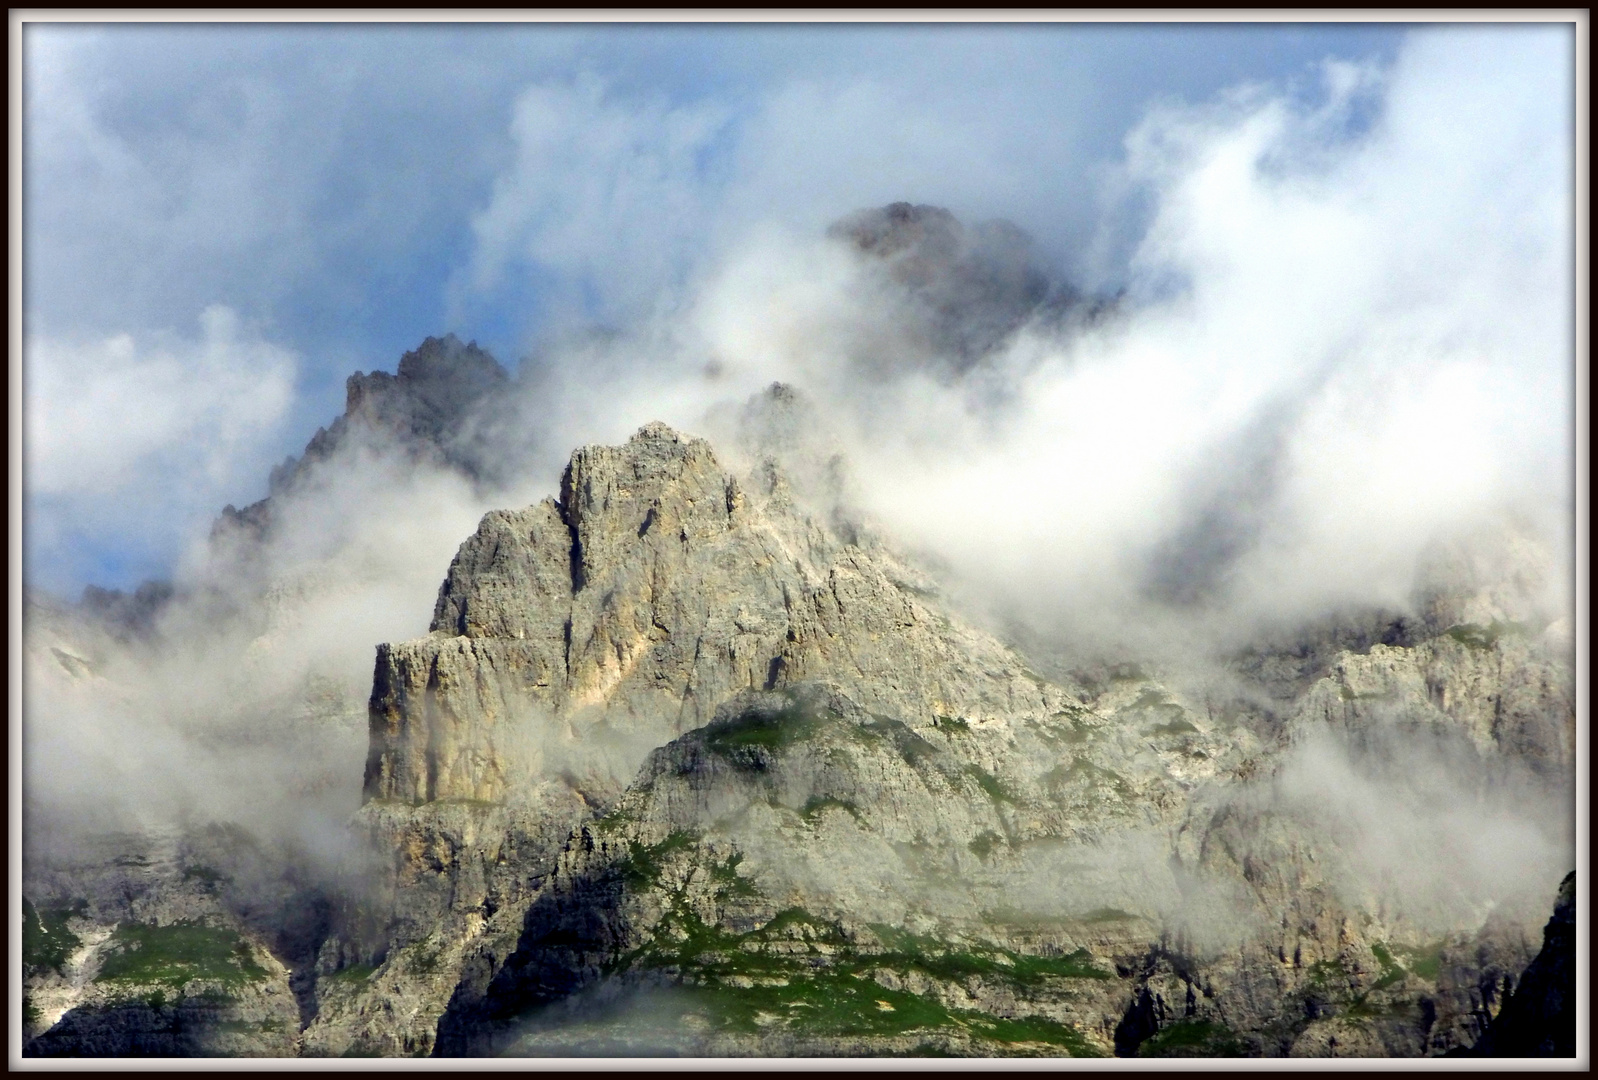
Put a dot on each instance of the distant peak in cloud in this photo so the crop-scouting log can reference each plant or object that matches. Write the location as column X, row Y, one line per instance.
column 969, row 287
column 434, row 407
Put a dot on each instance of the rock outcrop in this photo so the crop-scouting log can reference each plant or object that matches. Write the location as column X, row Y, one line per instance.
column 1538, row 1019
column 960, row 292
column 652, row 591
column 439, row 406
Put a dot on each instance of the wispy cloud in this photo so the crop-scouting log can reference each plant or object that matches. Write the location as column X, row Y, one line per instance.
column 145, row 437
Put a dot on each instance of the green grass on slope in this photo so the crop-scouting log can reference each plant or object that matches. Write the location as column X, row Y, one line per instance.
column 770, row 731
column 172, row 956
column 1484, row 637
column 1425, row 962
column 1192, row 1038
column 355, row 973
column 644, row 862
column 817, row 804
column 47, row 944
column 802, row 974
column 990, row 785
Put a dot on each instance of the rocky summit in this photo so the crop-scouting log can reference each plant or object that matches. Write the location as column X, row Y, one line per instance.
column 685, row 766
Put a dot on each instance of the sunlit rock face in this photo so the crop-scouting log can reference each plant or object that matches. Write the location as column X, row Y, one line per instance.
column 653, row 590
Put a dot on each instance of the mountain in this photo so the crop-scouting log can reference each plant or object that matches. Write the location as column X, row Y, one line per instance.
column 683, row 767
column 692, row 759
column 959, row 292
column 438, row 406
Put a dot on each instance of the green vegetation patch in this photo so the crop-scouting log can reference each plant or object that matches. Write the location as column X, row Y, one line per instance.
column 203, row 874
column 422, row 957
column 766, row 730
column 990, row 785
column 985, row 844
column 946, row 961
column 1425, row 962
column 1392, row 970
column 802, row 973
column 817, row 1003
column 817, row 804
column 617, row 819
column 47, row 943
column 355, row 973
column 1476, row 636
column 915, row 750
column 729, row 882
column 642, row 866
column 1083, row 771
column 1193, row 1038
column 175, row 955
column 747, row 991
column 1175, row 727
column 1076, row 730
column 952, row 725
column 1031, row 1029
column 1321, row 974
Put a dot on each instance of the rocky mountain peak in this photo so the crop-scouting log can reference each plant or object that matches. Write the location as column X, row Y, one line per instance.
column 435, row 408
column 433, row 391
column 966, row 289
column 682, row 724
column 657, row 587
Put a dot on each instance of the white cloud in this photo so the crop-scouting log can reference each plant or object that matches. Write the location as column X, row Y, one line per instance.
column 610, row 196
column 1364, row 326
column 149, row 435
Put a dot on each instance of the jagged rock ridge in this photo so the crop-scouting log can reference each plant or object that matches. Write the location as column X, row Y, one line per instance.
column 435, row 406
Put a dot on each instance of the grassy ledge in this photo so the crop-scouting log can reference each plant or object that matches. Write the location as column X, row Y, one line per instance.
column 174, row 956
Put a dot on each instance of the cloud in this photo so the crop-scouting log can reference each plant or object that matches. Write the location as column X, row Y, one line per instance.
column 147, row 436
column 1423, row 826
column 358, row 188
column 612, row 198
column 1348, row 335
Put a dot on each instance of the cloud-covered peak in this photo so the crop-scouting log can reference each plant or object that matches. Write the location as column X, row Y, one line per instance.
column 970, row 288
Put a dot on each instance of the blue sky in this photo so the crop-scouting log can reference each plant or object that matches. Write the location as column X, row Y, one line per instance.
column 221, row 223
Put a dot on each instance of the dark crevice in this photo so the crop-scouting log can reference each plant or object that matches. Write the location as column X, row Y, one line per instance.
column 774, row 672
column 566, row 508
column 1142, row 1020
column 433, row 750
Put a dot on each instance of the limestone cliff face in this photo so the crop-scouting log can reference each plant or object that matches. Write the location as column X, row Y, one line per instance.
column 653, row 590
column 573, row 637
column 1496, row 686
